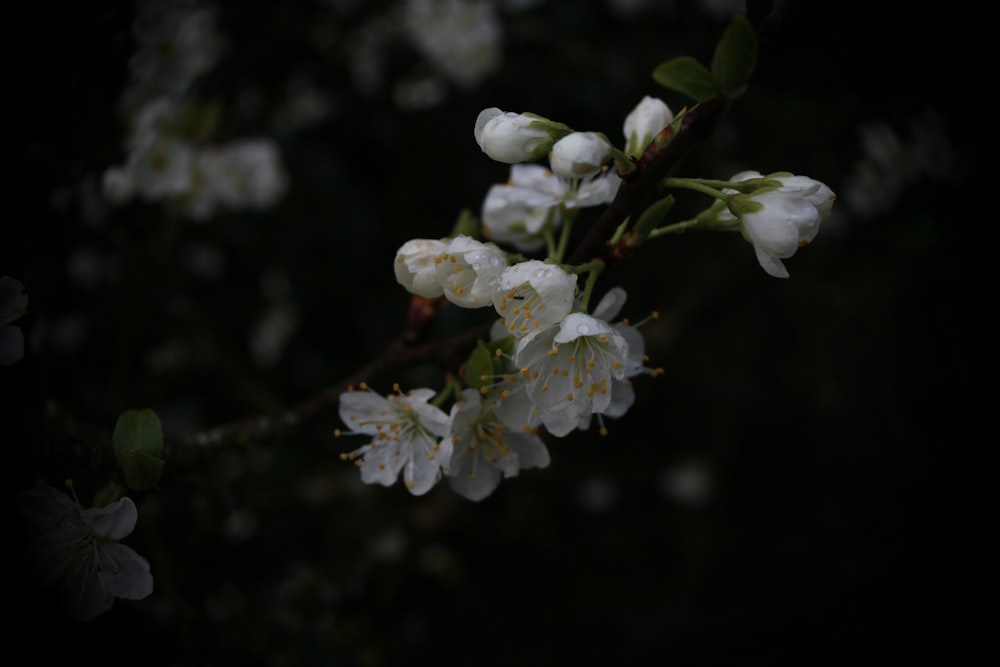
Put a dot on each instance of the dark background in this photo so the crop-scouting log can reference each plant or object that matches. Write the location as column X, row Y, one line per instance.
column 839, row 415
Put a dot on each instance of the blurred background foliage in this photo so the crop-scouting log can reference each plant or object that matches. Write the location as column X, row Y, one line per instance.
column 792, row 489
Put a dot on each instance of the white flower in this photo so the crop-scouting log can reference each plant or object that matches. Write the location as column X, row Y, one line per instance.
column 579, row 155
column 247, row 173
column 469, row 271
column 622, row 393
column 511, row 137
column 13, row 304
column 779, row 228
column 520, row 211
column 405, row 431
column 79, row 549
column 487, row 449
column 815, row 192
column 534, row 294
column 161, row 169
column 416, row 269
column 577, row 362
column 778, row 221
column 460, row 38
column 644, row 122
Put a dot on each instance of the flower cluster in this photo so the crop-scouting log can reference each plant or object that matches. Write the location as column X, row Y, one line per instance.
column 556, row 367
column 552, row 363
column 167, row 157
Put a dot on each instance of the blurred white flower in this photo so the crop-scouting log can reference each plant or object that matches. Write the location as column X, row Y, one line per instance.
column 459, row 38
column 79, row 550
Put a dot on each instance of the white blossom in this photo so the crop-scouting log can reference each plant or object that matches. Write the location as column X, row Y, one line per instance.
column 79, row 550
column 644, row 122
column 512, row 137
column 406, row 437
column 577, row 362
column 779, row 220
column 486, row 449
column 459, row 38
column 533, row 295
column 416, row 268
column 469, row 271
column 532, row 201
column 579, row 155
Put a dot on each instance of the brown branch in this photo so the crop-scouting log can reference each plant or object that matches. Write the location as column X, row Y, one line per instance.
column 400, row 353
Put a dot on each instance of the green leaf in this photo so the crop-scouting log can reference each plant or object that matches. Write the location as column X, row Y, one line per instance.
column 735, row 57
column 138, row 430
column 138, row 444
column 479, row 366
column 142, row 471
column 688, row 76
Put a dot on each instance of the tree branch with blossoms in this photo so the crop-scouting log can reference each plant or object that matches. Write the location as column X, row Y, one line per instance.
column 552, row 359
column 550, row 363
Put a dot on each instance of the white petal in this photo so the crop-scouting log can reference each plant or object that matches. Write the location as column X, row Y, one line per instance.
column 772, row 265
column 124, row 573
column 113, row 521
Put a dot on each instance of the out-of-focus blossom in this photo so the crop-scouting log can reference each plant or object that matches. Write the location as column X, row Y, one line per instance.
column 79, row 550
column 459, row 38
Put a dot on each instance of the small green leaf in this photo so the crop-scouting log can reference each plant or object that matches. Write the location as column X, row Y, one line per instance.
column 479, row 367
column 735, row 57
column 142, row 471
column 688, row 76
column 138, row 430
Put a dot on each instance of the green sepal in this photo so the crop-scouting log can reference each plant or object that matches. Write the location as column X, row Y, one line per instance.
column 138, row 445
column 735, row 57
column 651, row 217
column 688, row 76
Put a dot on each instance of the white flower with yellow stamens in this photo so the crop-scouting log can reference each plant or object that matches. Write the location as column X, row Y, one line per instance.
column 533, row 295
column 469, row 271
column 487, row 449
column 415, row 267
column 406, row 434
column 577, row 363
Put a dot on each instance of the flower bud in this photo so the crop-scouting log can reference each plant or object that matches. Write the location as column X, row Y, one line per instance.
column 579, row 155
column 512, row 137
column 648, row 118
